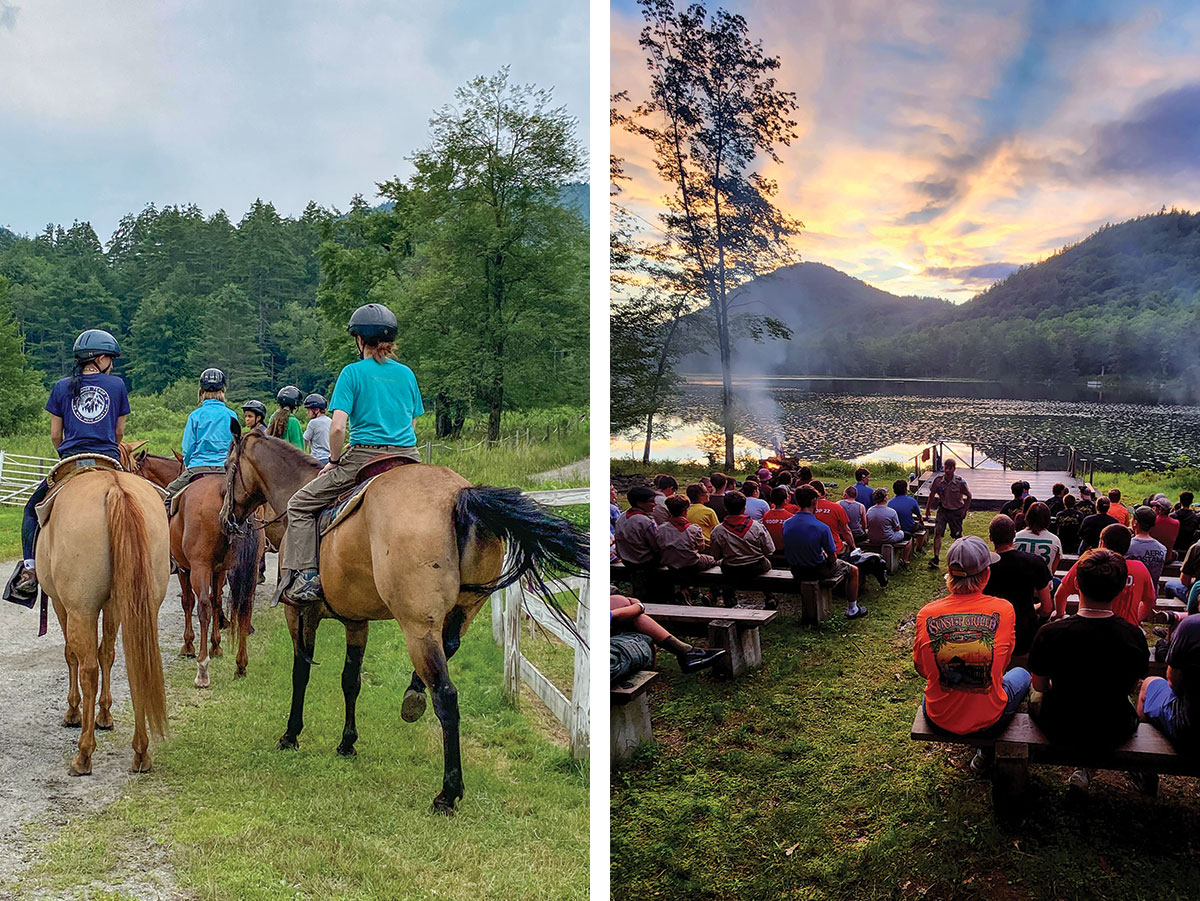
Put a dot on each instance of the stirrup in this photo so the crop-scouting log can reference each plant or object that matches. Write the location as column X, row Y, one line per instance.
column 25, row 595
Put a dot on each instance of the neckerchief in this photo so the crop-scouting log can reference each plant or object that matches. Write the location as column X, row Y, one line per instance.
column 634, row 511
column 680, row 522
column 738, row 525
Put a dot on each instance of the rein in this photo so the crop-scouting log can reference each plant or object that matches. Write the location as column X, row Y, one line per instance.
column 230, row 525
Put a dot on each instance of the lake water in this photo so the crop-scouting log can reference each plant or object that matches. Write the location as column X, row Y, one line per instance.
column 1125, row 428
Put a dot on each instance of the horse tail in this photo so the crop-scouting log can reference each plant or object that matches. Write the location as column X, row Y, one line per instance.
column 132, row 589
column 243, row 575
column 541, row 546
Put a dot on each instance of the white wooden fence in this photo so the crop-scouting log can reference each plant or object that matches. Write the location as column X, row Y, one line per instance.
column 509, row 609
column 19, row 475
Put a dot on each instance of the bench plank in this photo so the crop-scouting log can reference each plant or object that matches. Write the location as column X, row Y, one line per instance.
column 632, row 686
column 701, row 614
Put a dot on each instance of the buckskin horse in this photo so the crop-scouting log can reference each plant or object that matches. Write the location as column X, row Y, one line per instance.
column 104, row 549
column 205, row 555
column 425, row 548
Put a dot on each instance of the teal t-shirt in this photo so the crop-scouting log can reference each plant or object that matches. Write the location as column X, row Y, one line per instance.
column 381, row 400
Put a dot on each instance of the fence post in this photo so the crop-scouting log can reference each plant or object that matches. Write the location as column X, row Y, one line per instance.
column 512, row 644
column 1037, row 458
column 496, row 601
column 429, row 451
column 580, row 705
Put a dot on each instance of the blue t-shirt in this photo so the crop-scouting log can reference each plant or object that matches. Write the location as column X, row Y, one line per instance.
column 906, row 508
column 206, row 436
column 90, row 420
column 804, row 538
column 381, row 400
column 756, row 507
column 864, row 494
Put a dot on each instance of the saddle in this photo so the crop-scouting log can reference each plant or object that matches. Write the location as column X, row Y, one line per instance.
column 349, row 501
column 65, row 470
column 195, row 477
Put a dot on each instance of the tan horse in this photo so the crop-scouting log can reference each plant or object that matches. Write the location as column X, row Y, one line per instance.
column 104, row 550
column 425, row 549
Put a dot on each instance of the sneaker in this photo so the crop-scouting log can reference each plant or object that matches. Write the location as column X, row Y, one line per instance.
column 883, row 580
column 981, row 765
column 1079, row 780
column 933, row 563
column 699, row 658
column 305, row 588
column 858, row 613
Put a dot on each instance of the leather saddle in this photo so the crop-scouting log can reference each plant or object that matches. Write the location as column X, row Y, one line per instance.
column 65, row 470
column 349, row 501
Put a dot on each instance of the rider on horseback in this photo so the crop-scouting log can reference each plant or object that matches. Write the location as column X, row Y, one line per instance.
column 206, row 435
column 284, row 424
column 316, row 433
column 379, row 399
column 255, row 414
column 87, row 416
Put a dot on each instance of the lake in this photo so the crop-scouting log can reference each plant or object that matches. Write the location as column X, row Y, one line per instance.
column 1121, row 428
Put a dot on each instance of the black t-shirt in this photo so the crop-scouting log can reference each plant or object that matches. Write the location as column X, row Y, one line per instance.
column 1092, row 526
column 1184, row 656
column 1013, row 507
column 717, row 503
column 1093, row 664
column 1086, row 508
column 1017, row 578
column 1188, row 521
column 1055, row 504
column 1066, row 527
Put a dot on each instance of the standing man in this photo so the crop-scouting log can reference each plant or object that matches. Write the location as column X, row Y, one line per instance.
column 378, row 399
column 316, row 434
column 954, row 501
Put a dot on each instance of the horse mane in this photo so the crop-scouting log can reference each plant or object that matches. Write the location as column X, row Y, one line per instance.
column 287, row 450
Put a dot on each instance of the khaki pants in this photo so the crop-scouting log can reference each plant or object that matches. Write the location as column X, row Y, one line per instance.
column 300, row 540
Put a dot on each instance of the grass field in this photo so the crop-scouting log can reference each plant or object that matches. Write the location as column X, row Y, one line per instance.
column 799, row 781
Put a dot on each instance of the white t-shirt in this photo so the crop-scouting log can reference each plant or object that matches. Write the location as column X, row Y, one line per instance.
column 1045, row 546
column 317, row 436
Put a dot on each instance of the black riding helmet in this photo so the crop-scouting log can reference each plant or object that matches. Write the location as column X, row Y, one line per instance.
column 96, row 342
column 373, row 323
column 212, row 379
column 256, row 406
column 288, row 396
column 315, row 402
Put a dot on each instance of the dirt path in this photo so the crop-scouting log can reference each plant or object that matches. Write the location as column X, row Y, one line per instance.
column 35, row 749
column 572, row 472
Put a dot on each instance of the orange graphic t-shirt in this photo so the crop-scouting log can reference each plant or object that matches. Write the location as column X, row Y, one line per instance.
column 962, row 648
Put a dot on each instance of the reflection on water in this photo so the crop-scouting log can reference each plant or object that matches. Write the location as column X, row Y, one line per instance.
column 892, row 420
column 687, row 442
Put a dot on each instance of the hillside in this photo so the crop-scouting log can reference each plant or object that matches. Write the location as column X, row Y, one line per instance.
column 1121, row 302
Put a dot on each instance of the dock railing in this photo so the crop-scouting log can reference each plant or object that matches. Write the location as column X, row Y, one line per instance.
column 986, row 455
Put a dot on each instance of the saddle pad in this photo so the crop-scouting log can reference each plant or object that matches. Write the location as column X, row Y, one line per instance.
column 341, row 508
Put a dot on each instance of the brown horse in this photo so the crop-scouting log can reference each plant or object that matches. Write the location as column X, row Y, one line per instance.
column 162, row 471
column 104, row 550
column 425, row 549
column 205, row 554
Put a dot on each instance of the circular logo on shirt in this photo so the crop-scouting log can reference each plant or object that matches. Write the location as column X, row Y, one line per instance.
column 92, row 405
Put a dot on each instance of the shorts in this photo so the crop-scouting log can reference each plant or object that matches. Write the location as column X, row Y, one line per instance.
column 1165, row 711
column 952, row 518
column 833, row 572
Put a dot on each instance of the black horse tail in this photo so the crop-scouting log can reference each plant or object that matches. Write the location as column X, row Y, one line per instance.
column 243, row 575
column 542, row 547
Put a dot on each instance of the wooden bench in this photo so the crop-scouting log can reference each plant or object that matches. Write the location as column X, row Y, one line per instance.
column 630, row 716
column 816, row 598
column 732, row 629
column 889, row 552
column 1021, row 743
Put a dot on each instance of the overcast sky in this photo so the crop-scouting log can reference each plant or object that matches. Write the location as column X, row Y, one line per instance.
column 107, row 105
column 943, row 142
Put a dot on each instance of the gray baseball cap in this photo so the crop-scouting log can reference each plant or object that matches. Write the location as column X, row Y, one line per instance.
column 969, row 557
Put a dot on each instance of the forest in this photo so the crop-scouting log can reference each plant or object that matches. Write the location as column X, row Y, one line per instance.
column 481, row 253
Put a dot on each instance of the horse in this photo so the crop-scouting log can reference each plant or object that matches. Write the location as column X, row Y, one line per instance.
column 204, row 555
column 426, row 548
column 104, row 550
column 162, row 471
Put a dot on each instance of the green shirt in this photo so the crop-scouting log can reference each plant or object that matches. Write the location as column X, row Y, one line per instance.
column 295, row 434
column 381, row 401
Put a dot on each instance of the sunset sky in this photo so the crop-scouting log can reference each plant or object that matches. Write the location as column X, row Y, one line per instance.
column 943, row 143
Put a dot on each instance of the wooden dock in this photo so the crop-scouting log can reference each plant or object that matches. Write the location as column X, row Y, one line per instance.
column 990, row 488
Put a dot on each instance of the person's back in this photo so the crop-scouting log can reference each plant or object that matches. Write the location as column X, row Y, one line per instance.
column 756, row 507
column 206, row 435
column 1173, row 704
column 1166, row 528
column 1188, row 520
column 634, row 536
column 739, row 541
column 834, row 516
column 773, row 521
column 908, row 511
column 807, row 541
column 883, row 525
column 316, row 435
column 680, row 542
column 1088, row 664
column 90, row 417
column 1020, row 578
column 963, row 644
column 699, row 512
column 1145, row 548
column 1092, row 526
column 1067, row 525
column 856, row 515
column 1117, row 510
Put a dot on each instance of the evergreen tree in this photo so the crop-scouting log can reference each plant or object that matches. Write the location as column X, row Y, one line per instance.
column 228, row 341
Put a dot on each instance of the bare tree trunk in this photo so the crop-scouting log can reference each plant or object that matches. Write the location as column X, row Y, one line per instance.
column 649, row 432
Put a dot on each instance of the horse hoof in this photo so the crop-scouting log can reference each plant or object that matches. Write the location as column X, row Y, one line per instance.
column 186, row 651
column 413, row 706
column 239, row 672
column 72, row 720
column 141, row 764
column 104, row 725
column 347, row 750
column 443, row 807
column 80, row 770
column 287, row 743
column 216, row 651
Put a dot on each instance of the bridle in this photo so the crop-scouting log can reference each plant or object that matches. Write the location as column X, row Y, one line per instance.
column 229, row 524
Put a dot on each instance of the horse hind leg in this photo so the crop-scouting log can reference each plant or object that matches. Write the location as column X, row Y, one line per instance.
column 202, row 586
column 356, row 644
column 430, row 662
column 108, row 652
column 187, row 600
column 304, row 633
column 412, row 708
column 218, row 614
column 71, row 718
column 81, row 635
